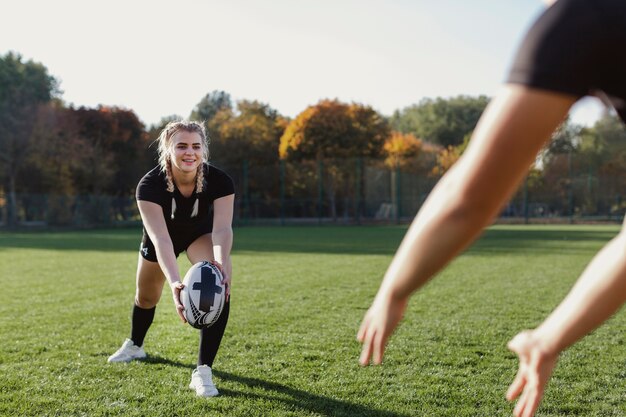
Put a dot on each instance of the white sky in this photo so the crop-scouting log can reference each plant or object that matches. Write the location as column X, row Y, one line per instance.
column 160, row 57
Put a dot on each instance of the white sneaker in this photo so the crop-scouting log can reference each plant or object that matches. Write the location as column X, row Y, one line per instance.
column 127, row 353
column 202, row 382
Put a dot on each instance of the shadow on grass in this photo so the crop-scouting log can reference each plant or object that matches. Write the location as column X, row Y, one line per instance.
column 292, row 397
column 312, row 403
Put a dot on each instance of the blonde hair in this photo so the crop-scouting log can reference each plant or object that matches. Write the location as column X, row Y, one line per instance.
column 165, row 150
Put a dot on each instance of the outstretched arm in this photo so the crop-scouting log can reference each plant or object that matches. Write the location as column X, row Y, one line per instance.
column 513, row 128
column 599, row 292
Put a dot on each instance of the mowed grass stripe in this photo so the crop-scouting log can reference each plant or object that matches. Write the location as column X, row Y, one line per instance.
column 290, row 350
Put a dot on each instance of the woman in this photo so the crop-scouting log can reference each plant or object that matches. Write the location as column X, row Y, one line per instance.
column 185, row 205
column 574, row 49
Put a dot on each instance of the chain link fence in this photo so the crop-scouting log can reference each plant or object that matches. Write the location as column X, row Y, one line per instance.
column 338, row 191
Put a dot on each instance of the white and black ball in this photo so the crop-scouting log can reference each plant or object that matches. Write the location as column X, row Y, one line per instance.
column 204, row 294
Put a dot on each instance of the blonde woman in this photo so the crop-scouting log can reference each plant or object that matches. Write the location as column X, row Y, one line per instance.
column 575, row 48
column 186, row 205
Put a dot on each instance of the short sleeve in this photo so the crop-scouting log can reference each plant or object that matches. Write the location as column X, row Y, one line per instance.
column 219, row 183
column 151, row 188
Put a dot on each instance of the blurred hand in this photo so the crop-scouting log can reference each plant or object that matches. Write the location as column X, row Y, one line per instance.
column 176, row 288
column 535, row 369
column 378, row 324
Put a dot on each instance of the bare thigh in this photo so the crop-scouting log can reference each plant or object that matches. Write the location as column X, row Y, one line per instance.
column 201, row 249
column 150, row 280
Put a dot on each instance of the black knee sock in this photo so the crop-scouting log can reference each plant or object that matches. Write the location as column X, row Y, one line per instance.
column 140, row 323
column 211, row 338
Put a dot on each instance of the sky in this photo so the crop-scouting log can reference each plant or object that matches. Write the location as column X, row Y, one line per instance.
column 159, row 58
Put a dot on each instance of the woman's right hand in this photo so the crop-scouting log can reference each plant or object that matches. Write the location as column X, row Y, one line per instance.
column 180, row 309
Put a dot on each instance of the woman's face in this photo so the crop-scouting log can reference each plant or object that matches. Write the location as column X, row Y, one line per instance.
column 186, row 151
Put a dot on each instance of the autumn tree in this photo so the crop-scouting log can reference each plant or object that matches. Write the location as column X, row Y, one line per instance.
column 117, row 151
column 333, row 132
column 401, row 150
column 247, row 139
column 24, row 87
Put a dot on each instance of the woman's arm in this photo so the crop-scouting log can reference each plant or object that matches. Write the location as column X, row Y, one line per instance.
column 513, row 128
column 154, row 223
column 222, row 235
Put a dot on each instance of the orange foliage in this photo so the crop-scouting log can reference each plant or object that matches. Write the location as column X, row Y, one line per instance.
column 401, row 148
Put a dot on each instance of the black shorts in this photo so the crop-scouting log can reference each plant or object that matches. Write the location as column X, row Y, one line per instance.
column 180, row 240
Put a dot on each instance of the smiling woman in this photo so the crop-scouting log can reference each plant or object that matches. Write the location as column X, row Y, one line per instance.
column 186, row 205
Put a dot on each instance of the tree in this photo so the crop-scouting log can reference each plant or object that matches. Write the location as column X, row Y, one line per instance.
column 250, row 136
column 210, row 105
column 24, row 86
column 116, row 147
column 331, row 132
column 442, row 121
column 252, row 133
column 449, row 155
column 401, row 150
column 332, row 129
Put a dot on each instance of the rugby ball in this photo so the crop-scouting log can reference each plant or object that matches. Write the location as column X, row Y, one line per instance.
column 204, row 294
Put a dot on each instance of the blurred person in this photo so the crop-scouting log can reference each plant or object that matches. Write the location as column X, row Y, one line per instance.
column 186, row 204
column 574, row 49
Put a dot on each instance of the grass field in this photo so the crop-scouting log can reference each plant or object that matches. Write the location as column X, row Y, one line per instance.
column 290, row 350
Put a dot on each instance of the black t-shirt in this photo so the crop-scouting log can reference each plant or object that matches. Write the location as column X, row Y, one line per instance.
column 577, row 47
column 153, row 187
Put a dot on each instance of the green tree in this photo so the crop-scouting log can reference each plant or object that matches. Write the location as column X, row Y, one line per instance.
column 442, row 121
column 24, row 87
column 211, row 104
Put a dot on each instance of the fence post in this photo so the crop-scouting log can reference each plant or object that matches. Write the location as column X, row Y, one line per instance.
column 570, row 194
column 282, row 192
column 359, row 178
column 526, row 200
column 397, row 187
column 320, row 189
column 246, row 195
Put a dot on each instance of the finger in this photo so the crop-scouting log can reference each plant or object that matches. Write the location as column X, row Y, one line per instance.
column 519, row 343
column 181, row 313
column 379, row 348
column 366, row 352
column 520, row 406
column 532, row 402
column 516, row 386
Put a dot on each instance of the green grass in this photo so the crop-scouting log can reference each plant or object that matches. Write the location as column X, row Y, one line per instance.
column 290, row 350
